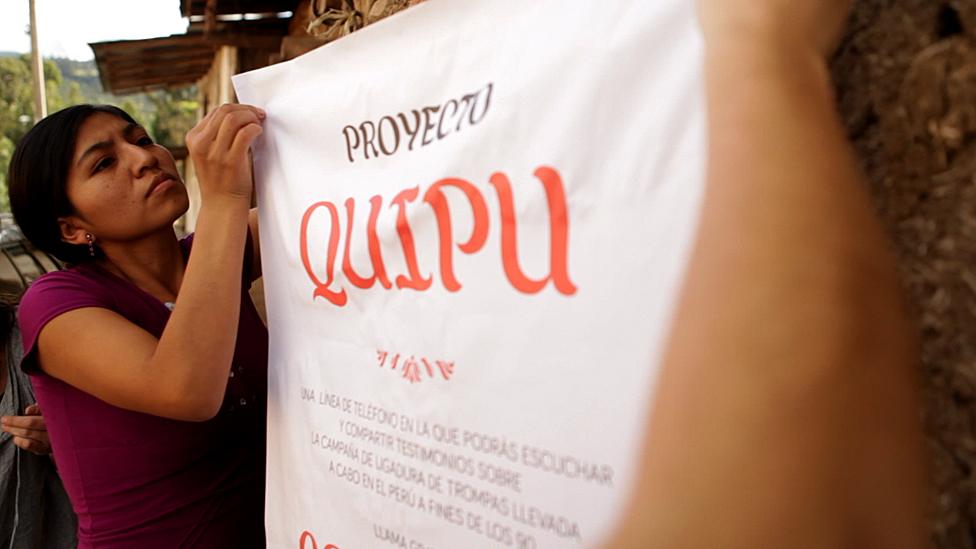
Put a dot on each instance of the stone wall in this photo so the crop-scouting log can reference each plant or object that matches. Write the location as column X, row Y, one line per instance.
column 906, row 80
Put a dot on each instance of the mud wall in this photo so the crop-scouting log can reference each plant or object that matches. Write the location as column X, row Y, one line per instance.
column 906, row 81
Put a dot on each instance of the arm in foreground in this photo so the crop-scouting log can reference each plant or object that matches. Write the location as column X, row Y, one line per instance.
column 787, row 412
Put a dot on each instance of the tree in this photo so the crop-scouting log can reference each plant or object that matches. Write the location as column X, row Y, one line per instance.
column 15, row 97
column 175, row 114
column 6, row 152
column 16, row 111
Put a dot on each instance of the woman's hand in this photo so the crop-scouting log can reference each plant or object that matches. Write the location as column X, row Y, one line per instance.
column 28, row 430
column 219, row 145
column 805, row 24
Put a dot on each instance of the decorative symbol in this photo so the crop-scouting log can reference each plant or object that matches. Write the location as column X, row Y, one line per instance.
column 413, row 369
column 446, row 368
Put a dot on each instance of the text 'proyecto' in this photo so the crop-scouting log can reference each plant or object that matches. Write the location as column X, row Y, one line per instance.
column 418, row 128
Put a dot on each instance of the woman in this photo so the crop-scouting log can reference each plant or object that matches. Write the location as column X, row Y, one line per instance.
column 149, row 361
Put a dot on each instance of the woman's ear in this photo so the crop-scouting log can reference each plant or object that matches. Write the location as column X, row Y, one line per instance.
column 71, row 230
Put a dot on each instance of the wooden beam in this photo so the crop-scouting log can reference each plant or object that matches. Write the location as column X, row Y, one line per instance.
column 142, row 61
column 129, row 85
column 227, row 7
column 243, row 40
column 189, row 72
column 181, row 75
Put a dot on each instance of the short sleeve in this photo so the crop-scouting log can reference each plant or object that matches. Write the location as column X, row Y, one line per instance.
column 51, row 295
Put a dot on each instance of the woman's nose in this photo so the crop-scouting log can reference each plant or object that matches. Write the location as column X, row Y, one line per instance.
column 140, row 158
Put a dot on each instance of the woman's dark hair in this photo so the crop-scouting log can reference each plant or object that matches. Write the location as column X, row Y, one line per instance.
column 38, row 178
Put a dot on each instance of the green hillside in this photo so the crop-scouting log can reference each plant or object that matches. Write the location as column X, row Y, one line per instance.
column 166, row 114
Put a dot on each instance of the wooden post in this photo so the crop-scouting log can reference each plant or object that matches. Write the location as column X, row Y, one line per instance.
column 226, row 62
column 210, row 17
column 37, row 70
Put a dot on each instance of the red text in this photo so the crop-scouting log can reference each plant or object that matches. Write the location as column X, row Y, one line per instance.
column 418, row 279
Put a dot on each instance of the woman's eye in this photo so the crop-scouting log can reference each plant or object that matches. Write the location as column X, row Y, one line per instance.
column 104, row 163
column 145, row 140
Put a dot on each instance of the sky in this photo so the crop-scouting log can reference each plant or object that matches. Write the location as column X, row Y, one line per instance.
column 65, row 27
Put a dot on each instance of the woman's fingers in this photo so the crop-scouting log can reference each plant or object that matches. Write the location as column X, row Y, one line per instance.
column 33, row 446
column 194, row 135
column 32, row 427
column 231, row 124
column 229, row 109
column 33, row 422
column 245, row 136
column 220, row 114
column 32, row 434
column 29, row 432
column 219, row 149
column 206, row 132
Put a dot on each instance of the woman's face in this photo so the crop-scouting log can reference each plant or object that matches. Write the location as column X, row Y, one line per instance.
column 122, row 185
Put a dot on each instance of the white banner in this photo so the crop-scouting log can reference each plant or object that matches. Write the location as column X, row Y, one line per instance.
column 474, row 219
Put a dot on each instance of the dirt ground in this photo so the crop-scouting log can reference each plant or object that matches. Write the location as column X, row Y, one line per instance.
column 906, row 79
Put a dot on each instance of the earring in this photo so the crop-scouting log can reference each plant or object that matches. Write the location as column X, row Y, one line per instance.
column 91, row 244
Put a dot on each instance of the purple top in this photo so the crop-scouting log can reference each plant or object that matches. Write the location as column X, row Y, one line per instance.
column 137, row 480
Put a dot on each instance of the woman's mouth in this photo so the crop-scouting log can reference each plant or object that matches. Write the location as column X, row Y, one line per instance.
column 160, row 183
